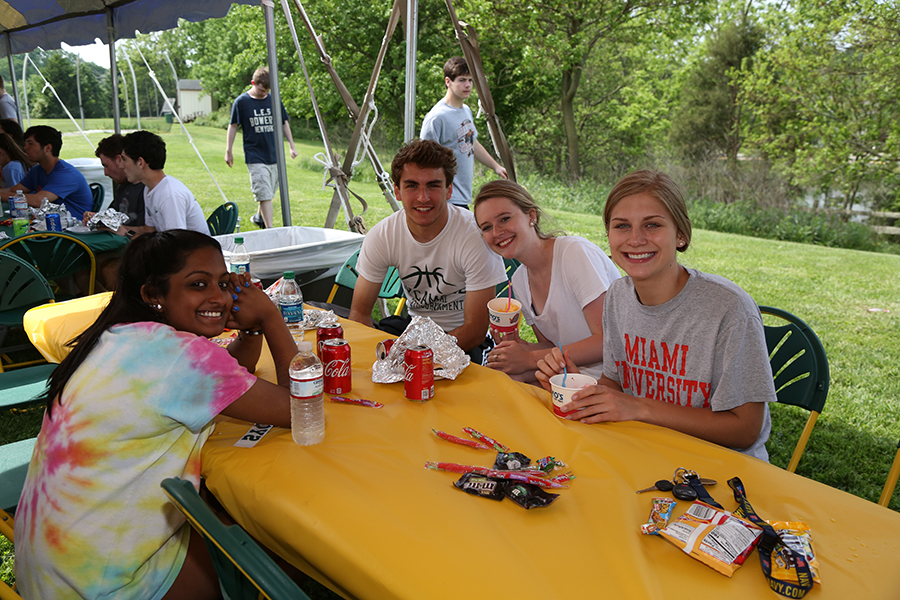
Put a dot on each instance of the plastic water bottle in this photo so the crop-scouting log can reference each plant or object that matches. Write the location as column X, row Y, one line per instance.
column 307, row 403
column 290, row 301
column 18, row 210
column 240, row 258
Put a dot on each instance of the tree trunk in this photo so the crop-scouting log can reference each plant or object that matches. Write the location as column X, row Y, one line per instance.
column 570, row 80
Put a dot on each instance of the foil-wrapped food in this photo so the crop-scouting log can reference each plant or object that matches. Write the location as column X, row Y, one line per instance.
column 109, row 218
column 449, row 359
column 38, row 216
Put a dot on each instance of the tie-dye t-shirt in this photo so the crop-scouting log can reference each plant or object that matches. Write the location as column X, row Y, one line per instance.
column 93, row 521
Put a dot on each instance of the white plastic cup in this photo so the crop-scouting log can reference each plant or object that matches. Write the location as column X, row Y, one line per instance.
column 503, row 321
column 562, row 395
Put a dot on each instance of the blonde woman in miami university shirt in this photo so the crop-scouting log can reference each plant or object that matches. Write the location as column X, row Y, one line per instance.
column 682, row 349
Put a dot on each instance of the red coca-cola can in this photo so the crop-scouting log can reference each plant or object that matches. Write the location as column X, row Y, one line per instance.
column 257, row 282
column 418, row 363
column 329, row 331
column 336, row 361
column 382, row 349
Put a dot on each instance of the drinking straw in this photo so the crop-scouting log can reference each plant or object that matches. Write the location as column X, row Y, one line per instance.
column 565, row 370
column 509, row 302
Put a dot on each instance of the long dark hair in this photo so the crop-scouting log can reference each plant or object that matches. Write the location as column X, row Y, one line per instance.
column 149, row 260
column 13, row 151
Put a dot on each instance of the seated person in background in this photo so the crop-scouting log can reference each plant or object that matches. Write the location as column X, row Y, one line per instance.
column 168, row 204
column 129, row 197
column 560, row 283
column 13, row 161
column 447, row 271
column 133, row 404
column 12, row 128
column 682, row 349
column 51, row 178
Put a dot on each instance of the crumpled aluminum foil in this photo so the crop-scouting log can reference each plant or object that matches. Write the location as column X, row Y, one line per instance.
column 449, row 359
column 313, row 318
column 39, row 215
column 110, row 218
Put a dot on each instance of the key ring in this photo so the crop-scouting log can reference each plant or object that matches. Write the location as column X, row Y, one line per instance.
column 681, row 474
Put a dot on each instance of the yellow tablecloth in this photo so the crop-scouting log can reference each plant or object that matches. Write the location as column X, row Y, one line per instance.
column 362, row 512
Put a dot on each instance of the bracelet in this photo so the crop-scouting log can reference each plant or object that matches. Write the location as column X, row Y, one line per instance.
column 251, row 332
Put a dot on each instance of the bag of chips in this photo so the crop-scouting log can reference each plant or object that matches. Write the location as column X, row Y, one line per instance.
column 714, row 537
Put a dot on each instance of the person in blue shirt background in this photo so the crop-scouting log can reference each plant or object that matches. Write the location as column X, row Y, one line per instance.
column 51, row 178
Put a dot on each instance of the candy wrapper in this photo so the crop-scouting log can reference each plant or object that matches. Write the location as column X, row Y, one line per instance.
column 511, row 461
column 449, row 359
column 716, row 538
column 797, row 536
column 527, row 495
column 660, row 514
column 109, row 218
column 479, row 485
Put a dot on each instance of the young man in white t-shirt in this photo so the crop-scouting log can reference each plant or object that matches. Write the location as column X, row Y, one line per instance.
column 447, row 271
column 168, row 203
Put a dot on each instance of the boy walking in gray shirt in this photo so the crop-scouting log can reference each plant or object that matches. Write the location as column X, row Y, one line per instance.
column 451, row 125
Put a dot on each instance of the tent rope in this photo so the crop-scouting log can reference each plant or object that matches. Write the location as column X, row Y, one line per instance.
column 183, row 128
column 332, row 172
column 47, row 84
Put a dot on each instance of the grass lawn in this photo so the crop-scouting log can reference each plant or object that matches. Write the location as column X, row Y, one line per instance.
column 831, row 289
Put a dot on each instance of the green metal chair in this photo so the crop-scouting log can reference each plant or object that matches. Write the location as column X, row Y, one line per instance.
column 891, row 483
column 19, row 388
column 390, row 287
column 244, row 569
column 510, row 264
column 57, row 256
column 223, row 220
column 99, row 194
column 800, row 369
column 21, row 287
column 14, row 461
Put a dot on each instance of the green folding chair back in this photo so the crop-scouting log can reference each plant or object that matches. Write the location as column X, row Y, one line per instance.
column 800, row 369
column 14, row 461
column 223, row 220
column 510, row 264
column 390, row 287
column 244, row 569
column 99, row 194
column 56, row 255
column 21, row 287
column 19, row 388
column 888, row 492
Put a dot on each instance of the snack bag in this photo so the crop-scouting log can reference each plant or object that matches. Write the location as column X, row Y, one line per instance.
column 714, row 537
column 660, row 513
column 796, row 535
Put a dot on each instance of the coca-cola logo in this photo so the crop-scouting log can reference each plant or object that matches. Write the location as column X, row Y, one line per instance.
column 337, row 368
column 409, row 371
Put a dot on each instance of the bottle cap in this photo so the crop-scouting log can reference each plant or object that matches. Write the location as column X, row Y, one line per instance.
column 238, row 240
column 304, row 346
column 288, row 275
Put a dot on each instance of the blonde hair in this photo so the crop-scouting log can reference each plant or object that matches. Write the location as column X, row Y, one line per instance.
column 661, row 187
column 518, row 195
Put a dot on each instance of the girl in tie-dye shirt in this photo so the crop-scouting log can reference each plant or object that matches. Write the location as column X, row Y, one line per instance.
column 132, row 405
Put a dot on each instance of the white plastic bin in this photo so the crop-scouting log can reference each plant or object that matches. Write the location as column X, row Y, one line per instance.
column 298, row 249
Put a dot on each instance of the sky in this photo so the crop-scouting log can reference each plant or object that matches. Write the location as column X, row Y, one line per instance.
column 95, row 53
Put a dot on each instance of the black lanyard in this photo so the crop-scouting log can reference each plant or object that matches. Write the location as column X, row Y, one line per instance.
column 770, row 544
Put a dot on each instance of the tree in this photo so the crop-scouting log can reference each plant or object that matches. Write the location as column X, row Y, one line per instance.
column 58, row 68
column 825, row 90
column 710, row 117
column 559, row 42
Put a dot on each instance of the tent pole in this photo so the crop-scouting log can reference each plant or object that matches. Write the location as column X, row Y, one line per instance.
column 113, row 68
column 412, row 26
column 12, row 73
column 269, row 12
column 137, row 102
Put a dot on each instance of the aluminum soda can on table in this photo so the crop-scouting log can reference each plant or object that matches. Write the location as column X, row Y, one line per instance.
column 382, row 348
column 328, row 331
column 54, row 222
column 337, row 369
column 418, row 380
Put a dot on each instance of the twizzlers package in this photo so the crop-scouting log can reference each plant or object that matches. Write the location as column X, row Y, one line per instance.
column 714, row 537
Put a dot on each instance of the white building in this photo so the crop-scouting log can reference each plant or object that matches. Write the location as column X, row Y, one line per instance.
column 192, row 101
